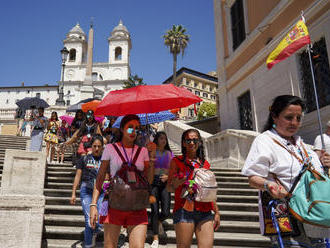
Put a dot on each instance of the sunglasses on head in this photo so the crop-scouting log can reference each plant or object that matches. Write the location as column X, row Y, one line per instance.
column 189, row 141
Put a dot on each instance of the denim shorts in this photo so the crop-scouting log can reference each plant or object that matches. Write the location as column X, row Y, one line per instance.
column 195, row 216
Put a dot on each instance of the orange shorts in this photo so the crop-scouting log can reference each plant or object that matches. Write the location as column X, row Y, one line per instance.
column 125, row 218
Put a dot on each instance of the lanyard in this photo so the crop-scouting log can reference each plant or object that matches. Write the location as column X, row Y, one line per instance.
column 127, row 160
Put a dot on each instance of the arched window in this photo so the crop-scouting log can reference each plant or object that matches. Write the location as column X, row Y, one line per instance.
column 118, row 53
column 72, row 55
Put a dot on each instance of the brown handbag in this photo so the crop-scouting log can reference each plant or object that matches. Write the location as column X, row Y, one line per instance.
column 124, row 194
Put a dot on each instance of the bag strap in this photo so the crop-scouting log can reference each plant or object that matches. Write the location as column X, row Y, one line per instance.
column 122, row 157
column 291, row 152
column 136, row 155
column 119, row 153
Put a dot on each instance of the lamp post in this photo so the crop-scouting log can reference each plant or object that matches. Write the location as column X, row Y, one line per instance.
column 60, row 101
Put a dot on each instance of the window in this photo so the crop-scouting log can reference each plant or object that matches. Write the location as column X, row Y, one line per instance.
column 118, row 52
column 245, row 111
column 94, row 76
column 237, row 23
column 205, row 95
column 38, row 95
column 195, row 85
column 213, row 97
column 69, row 92
column 197, row 93
column 72, row 55
column 101, row 78
column 187, row 82
column 7, row 101
column 67, row 102
column 203, row 86
column 28, row 92
column 191, row 113
column 321, row 73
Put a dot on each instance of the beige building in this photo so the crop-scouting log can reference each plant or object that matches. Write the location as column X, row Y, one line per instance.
column 203, row 85
column 246, row 32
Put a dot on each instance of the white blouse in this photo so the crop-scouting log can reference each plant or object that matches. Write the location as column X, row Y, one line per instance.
column 265, row 157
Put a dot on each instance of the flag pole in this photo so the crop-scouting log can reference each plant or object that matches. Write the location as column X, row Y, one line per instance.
column 309, row 49
column 316, row 96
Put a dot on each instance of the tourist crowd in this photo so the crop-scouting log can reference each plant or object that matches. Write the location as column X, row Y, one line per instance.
column 123, row 171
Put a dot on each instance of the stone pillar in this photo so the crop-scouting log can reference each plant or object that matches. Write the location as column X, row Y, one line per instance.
column 87, row 90
column 22, row 202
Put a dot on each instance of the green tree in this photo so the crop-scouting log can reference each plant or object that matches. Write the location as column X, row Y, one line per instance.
column 133, row 81
column 206, row 110
column 176, row 40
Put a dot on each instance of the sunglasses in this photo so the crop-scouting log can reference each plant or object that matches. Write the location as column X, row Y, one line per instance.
column 189, row 141
column 130, row 130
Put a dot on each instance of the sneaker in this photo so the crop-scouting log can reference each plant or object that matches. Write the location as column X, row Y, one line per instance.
column 155, row 244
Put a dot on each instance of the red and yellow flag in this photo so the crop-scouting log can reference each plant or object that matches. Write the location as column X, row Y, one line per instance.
column 293, row 41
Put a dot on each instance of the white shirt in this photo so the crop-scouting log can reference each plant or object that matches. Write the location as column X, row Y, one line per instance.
column 318, row 143
column 265, row 157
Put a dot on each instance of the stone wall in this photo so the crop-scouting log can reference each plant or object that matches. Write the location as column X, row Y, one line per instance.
column 22, row 202
column 226, row 149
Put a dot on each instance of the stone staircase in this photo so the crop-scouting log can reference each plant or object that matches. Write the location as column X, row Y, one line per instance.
column 64, row 223
column 10, row 142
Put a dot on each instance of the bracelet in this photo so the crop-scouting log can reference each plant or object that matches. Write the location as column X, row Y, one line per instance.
column 92, row 205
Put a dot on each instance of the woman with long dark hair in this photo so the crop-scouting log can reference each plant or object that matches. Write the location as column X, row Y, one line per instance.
column 86, row 172
column 112, row 162
column 163, row 197
column 191, row 217
column 273, row 164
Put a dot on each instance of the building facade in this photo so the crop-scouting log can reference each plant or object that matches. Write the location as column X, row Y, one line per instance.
column 203, row 85
column 246, row 32
column 106, row 76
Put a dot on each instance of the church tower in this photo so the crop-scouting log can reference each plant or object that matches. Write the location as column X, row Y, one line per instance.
column 76, row 43
column 119, row 52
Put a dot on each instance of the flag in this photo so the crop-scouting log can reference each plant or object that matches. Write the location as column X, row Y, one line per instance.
column 293, row 41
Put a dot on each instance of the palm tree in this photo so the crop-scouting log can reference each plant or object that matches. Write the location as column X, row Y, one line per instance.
column 133, row 81
column 177, row 41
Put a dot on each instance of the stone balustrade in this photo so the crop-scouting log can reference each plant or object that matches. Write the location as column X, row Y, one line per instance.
column 226, row 149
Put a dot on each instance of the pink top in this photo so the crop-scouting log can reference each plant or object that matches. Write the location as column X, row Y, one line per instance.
column 110, row 154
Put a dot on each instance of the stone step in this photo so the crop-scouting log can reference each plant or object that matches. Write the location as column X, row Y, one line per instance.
column 221, row 184
column 59, row 243
column 220, row 238
column 225, row 215
column 220, row 197
column 226, row 226
column 238, row 206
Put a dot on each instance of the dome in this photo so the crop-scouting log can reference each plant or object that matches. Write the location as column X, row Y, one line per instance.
column 120, row 27
column 77, row 30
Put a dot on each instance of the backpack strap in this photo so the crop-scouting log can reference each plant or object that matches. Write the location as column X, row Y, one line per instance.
column 119, row 153
column 136, row 155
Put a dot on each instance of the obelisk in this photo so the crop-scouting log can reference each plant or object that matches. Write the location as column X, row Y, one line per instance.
column 87, row 90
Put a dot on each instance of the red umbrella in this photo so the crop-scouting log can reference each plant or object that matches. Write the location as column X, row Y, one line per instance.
column 145, row 99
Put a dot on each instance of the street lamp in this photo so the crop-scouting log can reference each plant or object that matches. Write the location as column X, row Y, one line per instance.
column 60, row 101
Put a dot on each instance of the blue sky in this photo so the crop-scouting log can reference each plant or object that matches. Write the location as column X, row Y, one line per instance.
column 33, row 31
